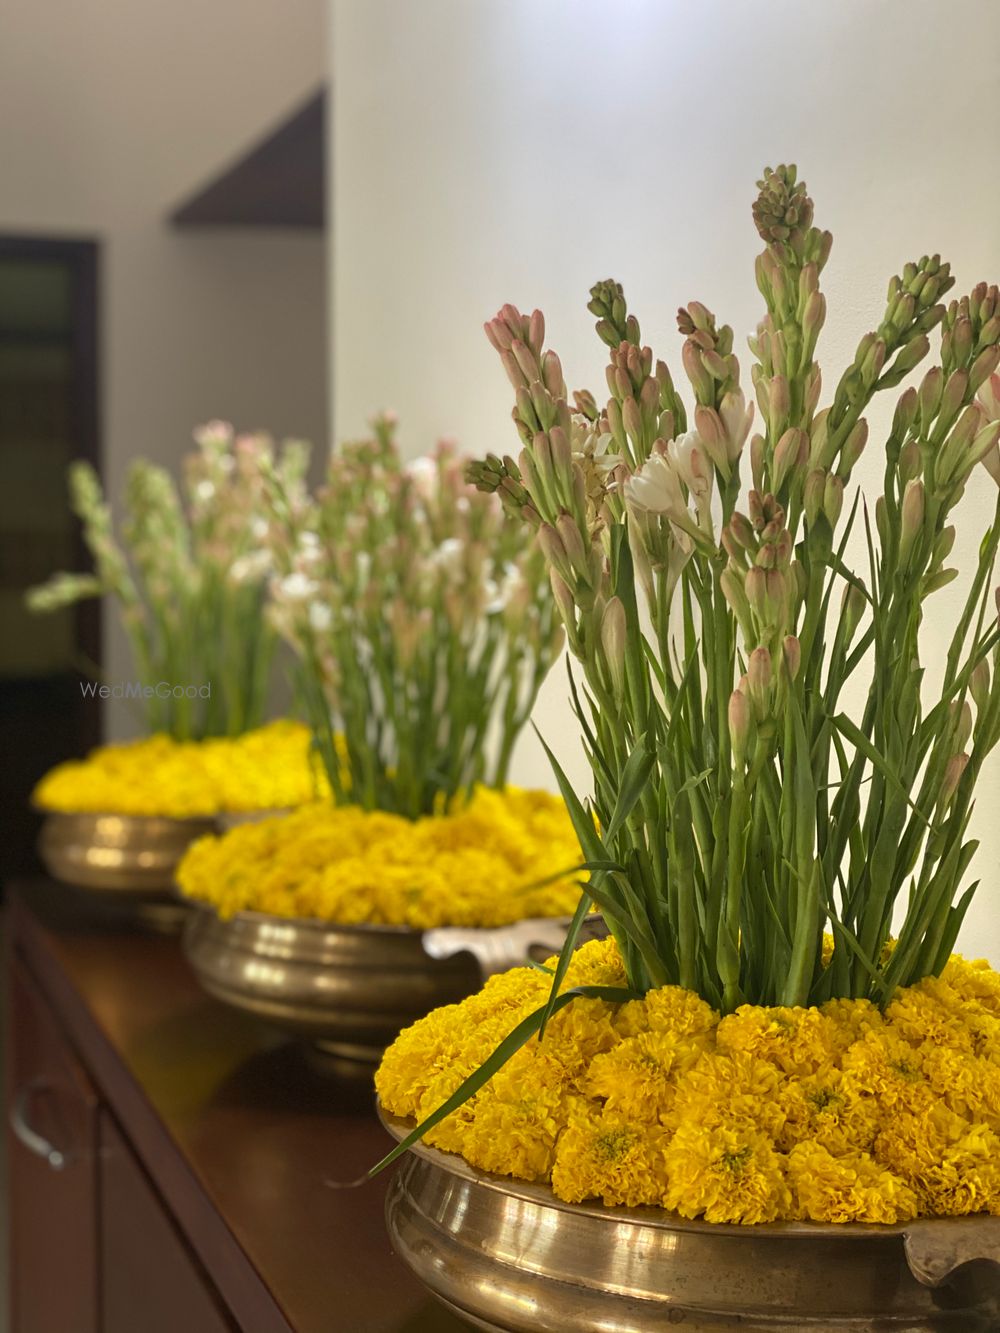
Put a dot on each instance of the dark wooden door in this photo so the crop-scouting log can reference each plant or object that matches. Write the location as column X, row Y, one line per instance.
column 48, row 417
column 150, row 1280
column 52, row 1149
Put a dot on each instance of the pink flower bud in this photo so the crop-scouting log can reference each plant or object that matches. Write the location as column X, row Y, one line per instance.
column 757, row 460
column 755, row 586
column 854, row 447
column 498, row 334
column 613, row 640
column 788, row 453
column 911, row 517
column 514, row 320
column 525, row 360
column 552, row 375
column 979, row 684
column 833, row 499
column 514, row 372
column 813, row 494
column 739, row 725
column 792, row 654
column 956, row 766
column 632, row 420
column 989, row 397
column 536, row 332
column 759, row 676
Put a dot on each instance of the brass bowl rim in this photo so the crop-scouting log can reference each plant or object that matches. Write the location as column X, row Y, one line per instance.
column 305, row 922
column 50, row 812
column 318, row 923
column 661, row 1218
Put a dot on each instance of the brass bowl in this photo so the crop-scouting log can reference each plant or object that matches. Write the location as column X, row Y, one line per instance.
column 511, row 1256
column 129, row 860
column 348, row 989
column 230, row 819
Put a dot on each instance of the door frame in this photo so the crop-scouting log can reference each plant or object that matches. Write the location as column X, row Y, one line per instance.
column 83, row 259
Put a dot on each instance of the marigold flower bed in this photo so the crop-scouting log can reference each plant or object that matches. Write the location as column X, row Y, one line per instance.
column 840, row 1113
column 268, row 768
column 473, row 867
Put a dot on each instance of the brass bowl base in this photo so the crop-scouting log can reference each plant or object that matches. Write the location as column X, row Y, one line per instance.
column 354, row 1052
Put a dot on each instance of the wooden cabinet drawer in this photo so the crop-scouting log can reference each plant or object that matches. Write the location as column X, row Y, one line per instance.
column 52, row 1146
column 150, row 1280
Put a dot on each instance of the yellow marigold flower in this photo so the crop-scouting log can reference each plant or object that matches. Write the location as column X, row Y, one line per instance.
column 834, row 1114
column 846, row 1188
column 638, row 1077
column 596, row 964
column 974, row 981
column 930, row 1011
column 671, row 1010
column 728, row 1172
column 726, row 1086
column 604, row 1156
column 270, row 768
column 824, row 1109
column 884, row 1065
column 851, row 1020
column 953, row 1165
column 473, row 867
column 797, row 1041
column 516, row 1124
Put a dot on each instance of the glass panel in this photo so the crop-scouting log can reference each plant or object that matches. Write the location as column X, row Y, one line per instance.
column 36, row 528
column 36, row 297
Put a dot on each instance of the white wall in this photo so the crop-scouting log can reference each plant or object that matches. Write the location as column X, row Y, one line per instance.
column 112, row 113
column 521, row 149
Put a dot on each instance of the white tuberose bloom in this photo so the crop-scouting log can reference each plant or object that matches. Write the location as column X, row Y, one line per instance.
column 320, row 617
column 250, row 568
column 424, row 473
column 659, row 485
column 656, row 487
column 296, row 587
column 449, row 556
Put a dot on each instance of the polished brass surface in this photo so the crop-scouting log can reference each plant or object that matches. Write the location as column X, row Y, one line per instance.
column 230, row 819
column 128, row 860
column 511, row 1256
column 350, row 989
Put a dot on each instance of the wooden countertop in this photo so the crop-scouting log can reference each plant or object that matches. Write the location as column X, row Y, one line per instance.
column 244, row 1139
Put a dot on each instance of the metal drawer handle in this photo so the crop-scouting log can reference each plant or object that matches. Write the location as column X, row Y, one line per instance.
column 30, row 1138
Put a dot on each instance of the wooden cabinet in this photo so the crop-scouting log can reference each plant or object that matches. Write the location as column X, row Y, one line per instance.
column 93, row 1249
column 52, row 1128
column 172, row 1160
column 148, row 1277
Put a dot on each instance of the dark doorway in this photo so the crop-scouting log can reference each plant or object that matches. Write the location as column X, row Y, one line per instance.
column 48, row 417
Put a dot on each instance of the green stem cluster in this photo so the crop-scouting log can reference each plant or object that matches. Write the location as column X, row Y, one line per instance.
column 755, row 841
column 423, row 624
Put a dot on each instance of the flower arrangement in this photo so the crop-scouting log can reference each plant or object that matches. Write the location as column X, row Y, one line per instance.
column 496, row 858
column 423, row 625
column 189, row 574
column 755, row 837
column 834, row 1113
column 273, row 767
column 422, row 621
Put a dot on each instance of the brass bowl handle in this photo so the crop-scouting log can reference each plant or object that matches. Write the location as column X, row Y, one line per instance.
column 936, row 1248
column 504, row 947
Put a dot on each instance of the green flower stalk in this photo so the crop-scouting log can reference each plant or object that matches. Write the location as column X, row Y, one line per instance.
column 743, row 811
column 189, row 575
column 422, row 620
